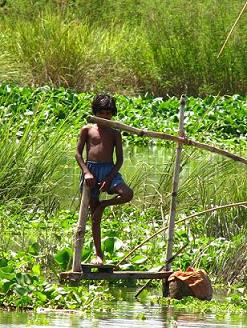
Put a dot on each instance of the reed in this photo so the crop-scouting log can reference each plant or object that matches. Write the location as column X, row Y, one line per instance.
column 205, row 182
column 30, row 161
column 164, row 48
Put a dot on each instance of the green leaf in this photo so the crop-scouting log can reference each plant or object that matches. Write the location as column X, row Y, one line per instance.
column 36, row 269
column 42, row 297
column 118, row 243
column 7, row 285
column 23, row 278
column 34, row 248
column 7, row 269
column 87, row 251
column 139, row 259
column 63, row 257
column 7, row 275
column 3, row 262
column 20, row 290
column 108, row 244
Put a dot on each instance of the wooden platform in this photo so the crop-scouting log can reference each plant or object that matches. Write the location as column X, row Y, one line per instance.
column 88, row 267
column 106, row 272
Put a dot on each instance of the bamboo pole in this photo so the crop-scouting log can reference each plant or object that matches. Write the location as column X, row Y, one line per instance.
column 165, row 136
column 177, row 169
column 231, row 30
column 161, row 269
column 192, row 216
column 80, row 229
column 173, row 205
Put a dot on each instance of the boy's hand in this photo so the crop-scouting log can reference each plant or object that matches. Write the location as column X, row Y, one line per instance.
column 89, row 179
column 105, row 185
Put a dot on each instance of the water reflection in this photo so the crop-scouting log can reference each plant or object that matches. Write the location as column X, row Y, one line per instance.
column 125, row 312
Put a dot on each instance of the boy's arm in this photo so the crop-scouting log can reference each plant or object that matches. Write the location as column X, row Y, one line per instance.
column 89, row 178
column 119, row 154
column 119, row 162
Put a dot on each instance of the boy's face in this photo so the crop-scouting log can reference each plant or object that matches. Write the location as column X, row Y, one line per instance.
column 105, row 113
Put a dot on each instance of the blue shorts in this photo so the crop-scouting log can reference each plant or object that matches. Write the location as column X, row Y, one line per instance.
column 100, row 172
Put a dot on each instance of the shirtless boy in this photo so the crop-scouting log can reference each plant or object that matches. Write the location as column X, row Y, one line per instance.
column 99, row 171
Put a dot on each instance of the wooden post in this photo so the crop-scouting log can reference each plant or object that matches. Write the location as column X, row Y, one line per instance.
column 80, row 229
column 165, row 136
column 174, row 192
column 192, row 216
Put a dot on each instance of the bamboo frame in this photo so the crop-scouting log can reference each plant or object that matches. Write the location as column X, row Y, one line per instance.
column 192, row 216
column 173, row 205
column 80, row 229
column 161, row 269
column 165, row 136
column 175, row 185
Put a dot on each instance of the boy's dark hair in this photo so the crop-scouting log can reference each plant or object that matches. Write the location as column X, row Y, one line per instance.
column 104, row 102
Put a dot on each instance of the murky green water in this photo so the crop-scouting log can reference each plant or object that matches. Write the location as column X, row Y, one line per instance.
column 126, row 312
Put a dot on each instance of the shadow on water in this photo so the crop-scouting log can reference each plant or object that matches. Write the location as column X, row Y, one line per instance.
column 124, row 311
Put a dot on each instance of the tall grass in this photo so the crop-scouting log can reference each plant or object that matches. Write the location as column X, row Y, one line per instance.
column 32, row 162
column 127, row 47
column 205, row 181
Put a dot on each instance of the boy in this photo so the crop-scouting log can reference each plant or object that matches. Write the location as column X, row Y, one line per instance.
column 99, row 171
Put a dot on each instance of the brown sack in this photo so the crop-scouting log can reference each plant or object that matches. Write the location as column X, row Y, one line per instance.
column 196, row 279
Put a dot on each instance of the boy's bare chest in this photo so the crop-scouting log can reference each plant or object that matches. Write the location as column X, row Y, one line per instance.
column 104, row 137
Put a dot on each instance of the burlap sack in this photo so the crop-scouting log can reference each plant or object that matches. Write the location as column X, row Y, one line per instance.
column 192, row 282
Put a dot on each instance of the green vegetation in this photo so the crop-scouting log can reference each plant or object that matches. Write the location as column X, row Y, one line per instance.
column 237, row 303
column 128, row 47
column 54, row 56
column 38, row 129
column 213, row 119
column 22, row 285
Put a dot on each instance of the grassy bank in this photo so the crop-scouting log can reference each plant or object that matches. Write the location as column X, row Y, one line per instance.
column 161, row 47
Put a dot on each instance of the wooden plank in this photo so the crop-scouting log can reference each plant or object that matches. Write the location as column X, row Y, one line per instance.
column 87, row 267
column 76, row 276
column 104, row 266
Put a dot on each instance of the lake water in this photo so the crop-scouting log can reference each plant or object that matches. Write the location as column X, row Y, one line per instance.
column 126, row 312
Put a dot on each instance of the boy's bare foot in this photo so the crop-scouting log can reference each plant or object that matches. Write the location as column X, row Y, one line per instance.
column 98, row 260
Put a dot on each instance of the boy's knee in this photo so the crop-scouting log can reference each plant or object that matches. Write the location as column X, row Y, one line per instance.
column 128, row 195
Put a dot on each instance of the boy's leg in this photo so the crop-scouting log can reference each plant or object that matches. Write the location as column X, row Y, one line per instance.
column 124, row 195
column 96, row 220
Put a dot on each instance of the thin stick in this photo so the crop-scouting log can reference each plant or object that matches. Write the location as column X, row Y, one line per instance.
column 175, row 185
column 233, row 26
column 80, row 230
column 180, row 221
column 165, row 136
column 160, row 269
